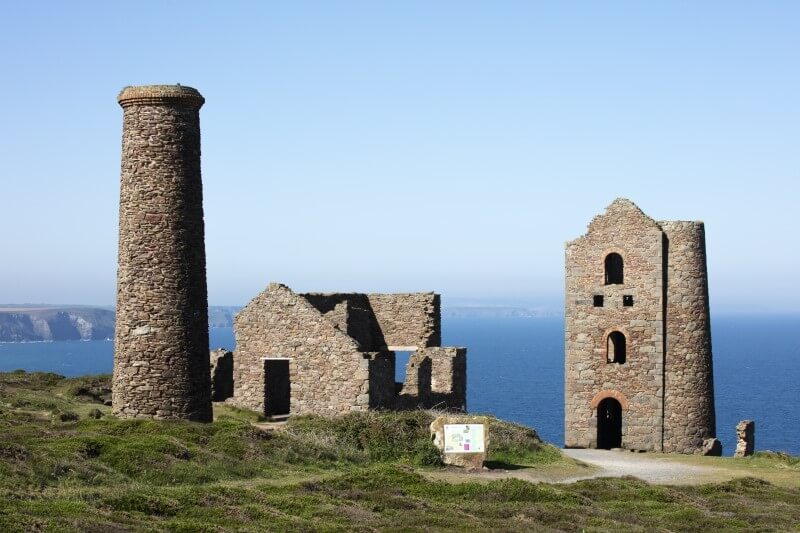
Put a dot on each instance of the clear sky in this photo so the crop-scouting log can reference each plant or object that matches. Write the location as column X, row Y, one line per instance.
column 401, row 146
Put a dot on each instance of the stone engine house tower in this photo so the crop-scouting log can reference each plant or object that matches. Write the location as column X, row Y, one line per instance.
column 161, row 357
column 638, row 372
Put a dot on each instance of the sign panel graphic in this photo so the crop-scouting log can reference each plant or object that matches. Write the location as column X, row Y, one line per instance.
column 463, row 438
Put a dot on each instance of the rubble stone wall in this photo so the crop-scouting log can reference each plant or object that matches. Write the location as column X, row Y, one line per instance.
column 328, row 373
column 161, row 356
column 436, row 378
column 380, row 320
column 409, row 319
column 352, row 314
column 689, row 406
column 221, row 362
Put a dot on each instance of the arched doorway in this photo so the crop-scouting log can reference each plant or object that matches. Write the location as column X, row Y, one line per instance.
column 609, row 424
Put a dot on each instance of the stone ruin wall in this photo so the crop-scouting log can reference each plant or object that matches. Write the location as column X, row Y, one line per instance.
column 436, row 378
column 352, row 314
column 689, row 406
column 378, row 321
column 337, row 351
column 328, row 373
column 221, row 367
column 623, row 229
column 161, row 363
column 408, row 319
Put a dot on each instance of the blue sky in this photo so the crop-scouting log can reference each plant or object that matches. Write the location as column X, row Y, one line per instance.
column 377, row 146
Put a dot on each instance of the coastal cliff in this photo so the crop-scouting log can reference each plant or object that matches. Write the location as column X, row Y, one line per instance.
column 20, row 324
column 28, row 323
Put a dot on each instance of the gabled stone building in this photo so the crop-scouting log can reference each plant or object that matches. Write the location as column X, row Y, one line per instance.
column 333, row 353
column 638, row 370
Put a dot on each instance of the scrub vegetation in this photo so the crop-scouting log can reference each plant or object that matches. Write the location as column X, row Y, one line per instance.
column 67, row 465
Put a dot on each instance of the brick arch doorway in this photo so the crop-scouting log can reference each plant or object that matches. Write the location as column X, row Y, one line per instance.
column 609, row 424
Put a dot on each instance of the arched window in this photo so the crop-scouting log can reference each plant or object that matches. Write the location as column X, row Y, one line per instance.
column 614, row 269
column 615, row 348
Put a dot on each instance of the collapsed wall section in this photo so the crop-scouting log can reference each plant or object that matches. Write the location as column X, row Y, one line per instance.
column 689, row 400
column 435, row 378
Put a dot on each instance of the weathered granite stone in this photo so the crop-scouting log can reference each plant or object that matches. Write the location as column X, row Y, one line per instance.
column 711, row 447
column 470, row 461
column 638, row 371
column 221, row 366
column 745, row 438
column 161, row 363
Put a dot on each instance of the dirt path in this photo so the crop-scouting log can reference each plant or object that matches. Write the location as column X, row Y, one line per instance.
column 649, row 467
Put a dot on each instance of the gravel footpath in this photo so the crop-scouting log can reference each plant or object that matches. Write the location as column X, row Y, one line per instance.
column 648, row 467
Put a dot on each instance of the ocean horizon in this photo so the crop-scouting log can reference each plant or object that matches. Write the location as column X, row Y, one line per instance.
column 515, row 368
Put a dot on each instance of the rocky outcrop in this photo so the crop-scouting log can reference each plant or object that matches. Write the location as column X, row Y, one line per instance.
column 21, row 324
column 711, row 447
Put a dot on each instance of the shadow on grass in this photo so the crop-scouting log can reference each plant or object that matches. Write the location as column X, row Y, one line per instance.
column 500, row 465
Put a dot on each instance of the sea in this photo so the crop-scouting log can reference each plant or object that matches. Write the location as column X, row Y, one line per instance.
column 515, row 368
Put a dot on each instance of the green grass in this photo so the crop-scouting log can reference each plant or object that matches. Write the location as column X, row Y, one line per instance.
column 362, row 471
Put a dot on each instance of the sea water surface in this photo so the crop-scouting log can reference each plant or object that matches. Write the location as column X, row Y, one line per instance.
column 515, row 371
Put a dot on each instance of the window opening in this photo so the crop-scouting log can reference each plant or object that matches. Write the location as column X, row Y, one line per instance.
column 401, row 358
column 598, row 300
column 615, row 349
column 614, row 269
column 627, row 300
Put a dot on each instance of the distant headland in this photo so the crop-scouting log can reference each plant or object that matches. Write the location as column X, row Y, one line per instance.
column 44, row 322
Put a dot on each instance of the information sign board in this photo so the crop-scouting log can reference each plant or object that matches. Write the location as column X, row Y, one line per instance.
column 463, row 438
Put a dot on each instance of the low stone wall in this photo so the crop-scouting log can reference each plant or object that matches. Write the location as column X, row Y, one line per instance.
column 435, row 378
column 221, row 363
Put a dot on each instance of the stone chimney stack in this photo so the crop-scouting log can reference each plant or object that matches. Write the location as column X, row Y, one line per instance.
column 161, row 362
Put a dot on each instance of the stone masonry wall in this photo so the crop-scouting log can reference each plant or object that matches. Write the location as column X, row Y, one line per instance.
column 328, row 373
column 161, row 356
column 666, row 384
column 221, row 363
column 410, row 319
column 352, row 314
column 689, row 406
column 435, row 378
column 380, row 320
column 589, row 377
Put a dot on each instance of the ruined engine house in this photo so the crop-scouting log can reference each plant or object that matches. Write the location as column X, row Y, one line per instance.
column 638, row 369
column 329, row 354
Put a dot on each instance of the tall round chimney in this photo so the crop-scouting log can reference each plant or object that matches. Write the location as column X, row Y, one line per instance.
column 161, row 357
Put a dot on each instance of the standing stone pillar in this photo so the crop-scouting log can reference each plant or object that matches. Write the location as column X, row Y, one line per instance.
column 745, row 438
column 161, row 363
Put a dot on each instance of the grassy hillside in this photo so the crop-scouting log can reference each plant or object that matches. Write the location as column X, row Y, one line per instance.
column 61, row 468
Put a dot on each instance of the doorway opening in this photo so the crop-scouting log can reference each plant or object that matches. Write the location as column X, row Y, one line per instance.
column 277, row 387
column 609, row 424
